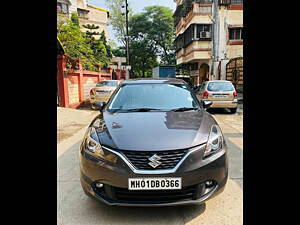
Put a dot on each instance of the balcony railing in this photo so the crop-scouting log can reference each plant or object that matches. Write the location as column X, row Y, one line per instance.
column 204, row 1
column 192, row 6
column 204, row 10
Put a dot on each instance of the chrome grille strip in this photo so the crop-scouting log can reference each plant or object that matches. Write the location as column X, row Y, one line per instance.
column 161, row 171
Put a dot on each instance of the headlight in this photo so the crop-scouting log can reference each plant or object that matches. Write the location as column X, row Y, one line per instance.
column 92, row 144
column 214, row 142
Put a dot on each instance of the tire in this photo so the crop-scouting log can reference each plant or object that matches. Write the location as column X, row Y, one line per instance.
column 233, row 110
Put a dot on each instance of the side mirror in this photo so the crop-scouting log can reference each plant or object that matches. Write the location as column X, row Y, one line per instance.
column 99, row 105
column 207, row 104
column 195, row 89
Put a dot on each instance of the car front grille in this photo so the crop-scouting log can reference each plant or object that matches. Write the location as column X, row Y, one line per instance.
column 169, row 159
column 154, row 196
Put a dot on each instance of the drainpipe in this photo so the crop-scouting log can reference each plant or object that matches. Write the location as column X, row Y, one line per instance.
column 216, row 34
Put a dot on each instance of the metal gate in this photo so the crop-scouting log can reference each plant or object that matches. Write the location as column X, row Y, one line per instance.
column 234, row 72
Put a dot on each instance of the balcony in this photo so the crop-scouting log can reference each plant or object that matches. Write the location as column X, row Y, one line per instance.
column 195, row 51
column 184, row 18
column 187, row 6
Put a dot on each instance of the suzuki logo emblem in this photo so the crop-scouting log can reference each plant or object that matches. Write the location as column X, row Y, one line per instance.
column 154, row 161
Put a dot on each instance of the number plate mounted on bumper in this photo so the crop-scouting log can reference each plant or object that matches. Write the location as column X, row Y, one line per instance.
column 161, row 183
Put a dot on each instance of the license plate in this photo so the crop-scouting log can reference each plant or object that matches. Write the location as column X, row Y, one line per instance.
column 154, row 183
column 220, row 96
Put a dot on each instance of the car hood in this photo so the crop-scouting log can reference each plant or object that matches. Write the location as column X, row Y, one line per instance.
column 155, row 130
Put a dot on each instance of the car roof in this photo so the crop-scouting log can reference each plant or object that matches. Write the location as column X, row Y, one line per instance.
column 227, row 81
column 108, row 80
column 154, row 81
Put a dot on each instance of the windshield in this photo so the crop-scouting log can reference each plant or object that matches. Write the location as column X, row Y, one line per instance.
column 153, row 96
column 220, row 86
column 107, row 83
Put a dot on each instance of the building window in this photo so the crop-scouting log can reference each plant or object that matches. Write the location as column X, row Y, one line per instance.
column 193, row 33
column 82, row 13
column 179, row 42
column 202, row 29
column 189, row 35
column 236, row 33
column 62, row 7
column 236, row 2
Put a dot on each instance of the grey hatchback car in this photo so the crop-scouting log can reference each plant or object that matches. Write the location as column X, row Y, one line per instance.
column 153, row 144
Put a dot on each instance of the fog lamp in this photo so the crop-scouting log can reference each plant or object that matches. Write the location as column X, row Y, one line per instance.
column 208, row 183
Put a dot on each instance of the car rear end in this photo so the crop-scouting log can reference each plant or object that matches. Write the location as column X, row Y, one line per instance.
column 103, row 91
column 101, row 94
column 221, row 93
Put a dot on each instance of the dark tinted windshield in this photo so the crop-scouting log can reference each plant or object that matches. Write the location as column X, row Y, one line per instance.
column 107, row 83
column 220, row 86
column 154, row 96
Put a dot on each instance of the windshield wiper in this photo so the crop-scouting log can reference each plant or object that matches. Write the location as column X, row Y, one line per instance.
column 141, row 110
column 184, row 109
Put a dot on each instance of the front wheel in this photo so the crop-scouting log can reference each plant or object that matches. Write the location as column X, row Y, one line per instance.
column 233, row 110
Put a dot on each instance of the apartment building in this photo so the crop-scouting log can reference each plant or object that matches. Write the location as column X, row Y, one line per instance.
column 209, row 38
column 88, row 14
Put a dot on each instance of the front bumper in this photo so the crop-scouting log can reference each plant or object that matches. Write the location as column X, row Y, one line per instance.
column 194, row 175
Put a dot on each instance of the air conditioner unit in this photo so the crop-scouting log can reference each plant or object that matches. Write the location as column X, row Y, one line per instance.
column 205, row 34
column 224, row 2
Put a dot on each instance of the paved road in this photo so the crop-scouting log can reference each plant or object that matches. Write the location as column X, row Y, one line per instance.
column 74, row 207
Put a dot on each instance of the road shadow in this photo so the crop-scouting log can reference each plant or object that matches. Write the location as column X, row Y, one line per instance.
column 219, row 111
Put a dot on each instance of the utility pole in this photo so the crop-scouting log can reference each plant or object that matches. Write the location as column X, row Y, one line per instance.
column 127, row 37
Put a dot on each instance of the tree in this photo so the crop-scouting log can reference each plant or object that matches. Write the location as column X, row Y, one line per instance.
column 74, row 42
column 84, row 46
column 151, row 38
column 119, row 52
column 161, row 30
column 143, row 58
column 101, row 50
column 117, row 19
column 155, row 26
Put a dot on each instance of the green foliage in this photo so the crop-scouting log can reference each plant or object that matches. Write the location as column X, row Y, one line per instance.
column 91, row 30
column 84, row 46
column 143, row 58
column 151, row 38
column 117, row 19
column 162, row 32
column 119, row 52
column 151, row 34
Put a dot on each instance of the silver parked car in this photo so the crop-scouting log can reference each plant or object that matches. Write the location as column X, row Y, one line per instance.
column 221, row 92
